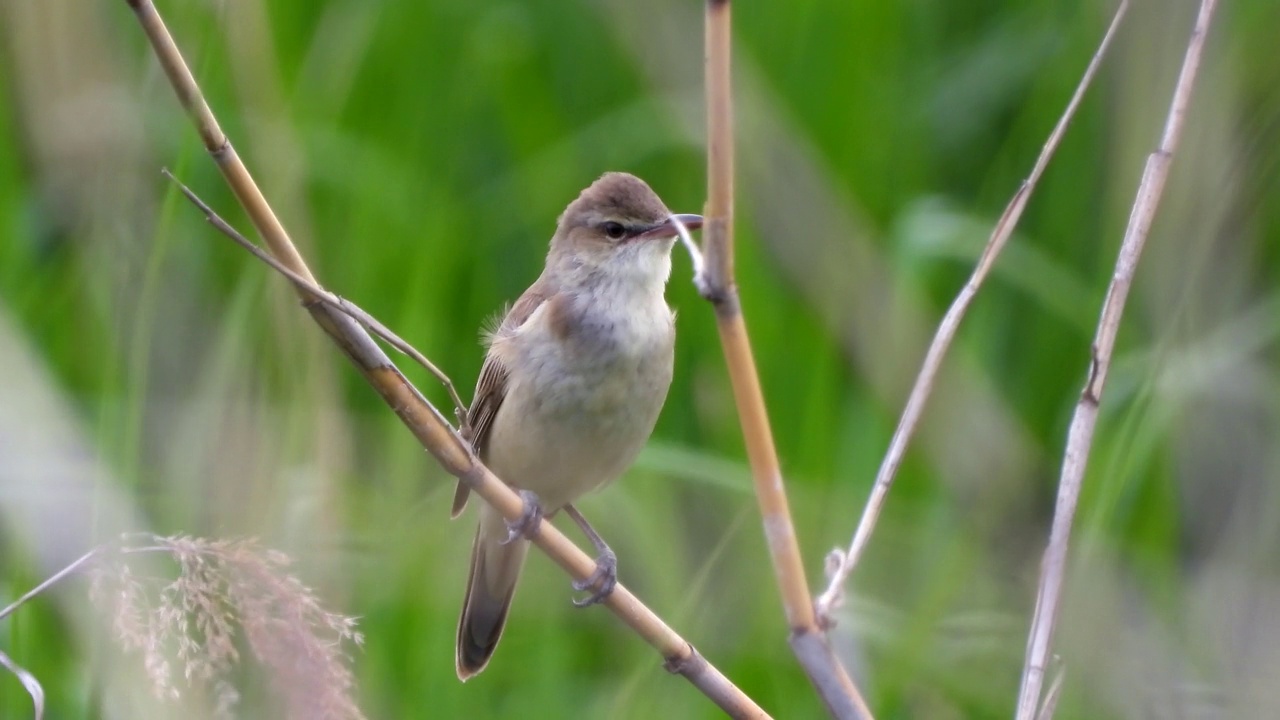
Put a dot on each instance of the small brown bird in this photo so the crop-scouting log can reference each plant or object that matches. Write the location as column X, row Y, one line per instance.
column 571, row 387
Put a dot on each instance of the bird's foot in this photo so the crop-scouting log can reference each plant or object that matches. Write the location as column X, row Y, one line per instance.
column 530, row 519
column 601, row 582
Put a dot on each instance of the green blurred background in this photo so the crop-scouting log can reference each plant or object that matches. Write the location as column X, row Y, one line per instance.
column 152, row 376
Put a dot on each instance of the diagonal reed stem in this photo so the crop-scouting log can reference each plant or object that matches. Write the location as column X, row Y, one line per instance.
column 426, row 423
column 846, row 560
column 1053, row 567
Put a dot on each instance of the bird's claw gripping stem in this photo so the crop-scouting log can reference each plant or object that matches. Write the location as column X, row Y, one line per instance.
column 530, row 519
column 601, row 582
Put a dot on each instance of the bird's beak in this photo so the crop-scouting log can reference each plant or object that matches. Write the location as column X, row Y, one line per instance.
column 667, row 228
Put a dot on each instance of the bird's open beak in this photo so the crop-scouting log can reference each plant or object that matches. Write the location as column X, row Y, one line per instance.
column 667, row 228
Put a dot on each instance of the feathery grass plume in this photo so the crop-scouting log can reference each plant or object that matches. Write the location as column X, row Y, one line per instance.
column 193, row 620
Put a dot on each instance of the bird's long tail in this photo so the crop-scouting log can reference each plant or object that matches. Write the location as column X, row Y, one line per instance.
column 495, row 568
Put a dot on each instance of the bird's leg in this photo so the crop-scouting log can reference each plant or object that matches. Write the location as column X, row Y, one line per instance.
column 530, row 518
column 605, row 578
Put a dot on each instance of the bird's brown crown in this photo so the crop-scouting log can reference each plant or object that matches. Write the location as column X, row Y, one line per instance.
column 615, row 196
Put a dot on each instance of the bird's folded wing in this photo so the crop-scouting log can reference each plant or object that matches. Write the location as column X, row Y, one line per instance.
column 491, row 388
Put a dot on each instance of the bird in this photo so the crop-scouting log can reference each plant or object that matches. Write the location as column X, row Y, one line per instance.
column 575, row 376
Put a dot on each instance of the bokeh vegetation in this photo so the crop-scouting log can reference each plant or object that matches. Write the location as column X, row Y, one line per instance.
column 153, row 377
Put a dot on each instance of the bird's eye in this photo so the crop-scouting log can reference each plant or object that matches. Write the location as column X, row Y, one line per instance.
column 613, row 230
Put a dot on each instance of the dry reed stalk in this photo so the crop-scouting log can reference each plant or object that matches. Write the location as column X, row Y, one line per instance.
column 842, row 562
column 1053, row 567
column 716, row 283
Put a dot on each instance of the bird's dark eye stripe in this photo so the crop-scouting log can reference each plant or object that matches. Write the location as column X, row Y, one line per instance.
column 614, row 230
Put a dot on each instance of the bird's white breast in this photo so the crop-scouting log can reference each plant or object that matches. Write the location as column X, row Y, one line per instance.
column 583, row 396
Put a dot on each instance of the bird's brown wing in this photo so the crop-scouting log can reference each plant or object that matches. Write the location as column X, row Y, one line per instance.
column 491, row 388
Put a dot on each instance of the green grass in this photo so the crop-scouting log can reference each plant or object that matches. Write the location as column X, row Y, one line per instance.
column 420, row 153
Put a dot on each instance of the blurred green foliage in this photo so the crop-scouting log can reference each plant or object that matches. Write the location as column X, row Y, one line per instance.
column 420, row 153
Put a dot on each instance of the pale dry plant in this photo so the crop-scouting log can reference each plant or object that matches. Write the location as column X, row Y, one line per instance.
column 1053, row 566
column 227, row 592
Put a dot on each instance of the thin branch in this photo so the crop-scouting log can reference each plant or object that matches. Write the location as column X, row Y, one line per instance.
column 844, row 561
column 215, row 141
column 716, row 283
column 49, row 582
column 323, row 296
column 426, row 422
column 1084, row 421
column 28, row 681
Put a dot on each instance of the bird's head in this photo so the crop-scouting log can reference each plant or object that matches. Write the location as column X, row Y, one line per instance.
column 619, row 226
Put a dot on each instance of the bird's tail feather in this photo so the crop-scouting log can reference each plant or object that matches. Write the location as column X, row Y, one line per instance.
column 495, row 568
